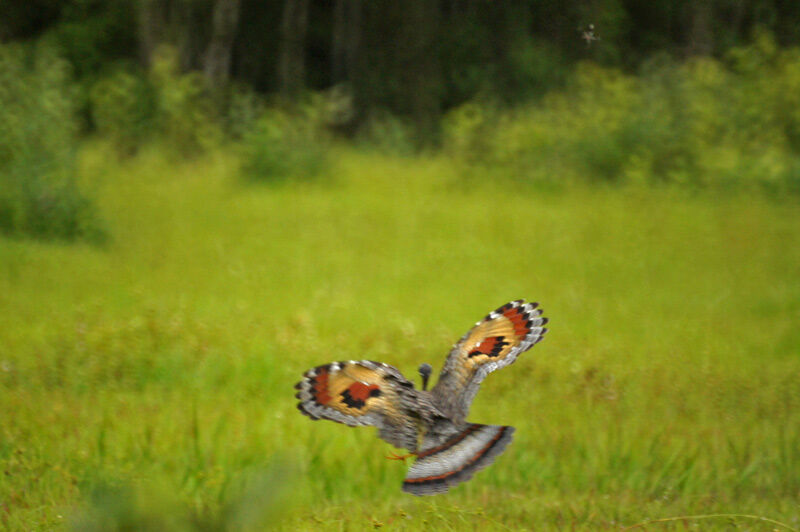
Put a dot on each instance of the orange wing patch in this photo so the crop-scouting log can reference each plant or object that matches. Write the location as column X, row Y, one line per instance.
column 490, row 340
column 347, row 387
column 357, row 394
column 360, row 392
column 519, row 318
column 491, row 346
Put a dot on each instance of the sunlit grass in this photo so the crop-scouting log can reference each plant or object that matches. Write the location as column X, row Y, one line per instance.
column 165, row 358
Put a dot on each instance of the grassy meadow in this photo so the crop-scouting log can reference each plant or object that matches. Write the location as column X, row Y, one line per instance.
column 146, row 382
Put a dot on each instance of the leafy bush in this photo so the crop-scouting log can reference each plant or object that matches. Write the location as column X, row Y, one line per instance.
column 185, row 113
column 467, row 131
column 123, row 108
column 703, row 122
column 387, row 133
column 130, row 108
column 284, row 145
column 38, row 135
column 243, row 107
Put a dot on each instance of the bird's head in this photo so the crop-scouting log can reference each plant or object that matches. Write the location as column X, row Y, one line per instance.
column 425, row 372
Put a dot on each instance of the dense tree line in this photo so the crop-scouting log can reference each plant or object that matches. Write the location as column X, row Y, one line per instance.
column 415, row 58
column 700, row 93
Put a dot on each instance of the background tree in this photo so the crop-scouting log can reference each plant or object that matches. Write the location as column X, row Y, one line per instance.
column 416, row 60
column 217, row 64
column 291, row 65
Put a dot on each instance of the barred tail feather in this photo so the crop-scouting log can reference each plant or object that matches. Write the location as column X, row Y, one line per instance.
column 438, row 469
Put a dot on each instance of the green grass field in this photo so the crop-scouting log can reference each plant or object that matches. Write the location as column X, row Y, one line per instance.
column 148, row 381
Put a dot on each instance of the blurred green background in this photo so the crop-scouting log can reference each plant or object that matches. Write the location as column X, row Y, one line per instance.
column 199, row 200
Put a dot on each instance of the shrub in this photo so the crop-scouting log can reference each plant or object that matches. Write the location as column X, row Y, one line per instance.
column 185, row 113
column 123, row 107
column 702, row 122
column 38, row 139
column 467, row 130
column 130, row 108
column 243, row 107
column 386, row 133
column 284, row 145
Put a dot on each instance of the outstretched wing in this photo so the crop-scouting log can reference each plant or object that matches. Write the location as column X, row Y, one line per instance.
column 361, row 393
column 493, row 343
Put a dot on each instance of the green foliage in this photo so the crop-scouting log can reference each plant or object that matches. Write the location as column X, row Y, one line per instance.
column 510, row 51
column 243, row 108
column 467, row 131
column 702, row 122
column 387, row 133
column 130, row 109
column 285, row 145
column 38, row 138
column 92, row 34
column 124, row 109
column 185, row 113
column 534, row 68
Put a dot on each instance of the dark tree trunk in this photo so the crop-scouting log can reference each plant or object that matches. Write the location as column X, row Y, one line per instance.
column 510, row 26
column 217, row 64
column 701, row 37
column 420, row 68
column 179, row 23
column 189, row 24
column 346, row 40
column 347, row 98
column 340, row 11
column 291, row 63
column 152, row 28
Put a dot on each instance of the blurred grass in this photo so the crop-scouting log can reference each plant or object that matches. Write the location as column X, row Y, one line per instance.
column 165, row 360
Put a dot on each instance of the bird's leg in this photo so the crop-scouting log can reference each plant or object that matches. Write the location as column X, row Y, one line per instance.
column 420, row 436
column 403, row 457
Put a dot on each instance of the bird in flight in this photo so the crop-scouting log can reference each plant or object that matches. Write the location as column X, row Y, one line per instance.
column 431, row 425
